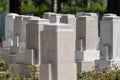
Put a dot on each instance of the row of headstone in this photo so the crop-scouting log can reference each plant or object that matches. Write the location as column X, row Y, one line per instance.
column 58, row 41
column 46, row 45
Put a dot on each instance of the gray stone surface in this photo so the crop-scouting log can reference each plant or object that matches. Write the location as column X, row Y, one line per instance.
column 55, row 18
column 33, row 37
column 109, row 41
column 20, row 58
column 14, row 50
column 112, row 64
column 29, row 56
column 110, row 37
column 55, row 43
column 85, row 66
column 9, row 25
column 55, row 47
column 16, row 41
column 87, row 31
column 69, row 19
column 46, row 72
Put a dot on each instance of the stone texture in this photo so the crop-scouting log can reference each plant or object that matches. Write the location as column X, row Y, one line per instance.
column 29, row 56
column 7, row 43
column 88, row 55
column 14, row 50
column 16, row 41
column 69, row 19
column 12, row 59
column 55, row 18
column 87, row 41
column 9, row 25
column 85, row 66
column 46, row 72
column 33, row 37
column 55, row 43
column 55, row 47
column 110, row 64
column 87, row 31
column 110, row 37
column 109, row 41
column 20, row 58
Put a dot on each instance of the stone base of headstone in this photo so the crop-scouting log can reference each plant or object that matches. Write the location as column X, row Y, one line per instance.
column 45, row 72
column 58, row 71
column 88, row 55
column 109, row 64
column 85, row 66
column 29, row 56
column 23, row 70
column 20, row 58
column 14, row 50
column 12, row 59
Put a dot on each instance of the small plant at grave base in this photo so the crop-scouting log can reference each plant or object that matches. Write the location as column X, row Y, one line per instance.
column 33, row 72
column 112, row 73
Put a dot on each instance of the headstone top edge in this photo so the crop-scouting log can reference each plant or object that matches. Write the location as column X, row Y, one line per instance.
column 37, row 20
column 68, row 15
column 109, row 14
column 110, row 18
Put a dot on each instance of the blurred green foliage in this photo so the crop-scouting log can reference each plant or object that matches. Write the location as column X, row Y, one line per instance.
column 4, row 5
column 38, row 7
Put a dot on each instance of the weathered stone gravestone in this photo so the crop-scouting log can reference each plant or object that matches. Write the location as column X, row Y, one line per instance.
column 109, row 41
column 33, row 37
column 9, row 25
column 9, row 30
column 58, row 52
column 87, row 41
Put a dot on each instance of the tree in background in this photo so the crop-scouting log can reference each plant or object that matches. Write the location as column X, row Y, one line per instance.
column 4, row 5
